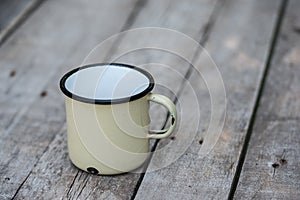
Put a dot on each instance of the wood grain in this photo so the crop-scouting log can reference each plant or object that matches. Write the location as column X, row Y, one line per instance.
column 34, row 160
column 123, row 186
column 13, row 13
column 239, row 44
column 271, row 168
column 32, row 108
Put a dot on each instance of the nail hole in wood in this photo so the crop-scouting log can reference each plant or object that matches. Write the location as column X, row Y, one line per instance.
column 283, row 161
column 275, row 165
column 201, row 141
column 7, row 178
column 12, row 73
column 43, row 93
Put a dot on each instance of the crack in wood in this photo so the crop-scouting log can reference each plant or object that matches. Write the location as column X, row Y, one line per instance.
column 130, row 20
column 209, row 26
column 204, row 36
column 18, row 116
column 128, row 23
column 275, row 37
column 202, row 41
column 85, row 181
column 35, row 164
column 19, row 188
column 8, row 31
column 71, row 186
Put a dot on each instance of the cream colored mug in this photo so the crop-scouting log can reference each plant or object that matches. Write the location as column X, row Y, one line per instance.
column 107, row 110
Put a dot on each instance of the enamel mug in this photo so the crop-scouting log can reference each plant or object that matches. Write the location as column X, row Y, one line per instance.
column 107, row 110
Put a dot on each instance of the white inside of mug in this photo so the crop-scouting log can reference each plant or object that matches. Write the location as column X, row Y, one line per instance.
column 107, row 82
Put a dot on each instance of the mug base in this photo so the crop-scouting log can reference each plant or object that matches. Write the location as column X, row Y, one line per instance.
column 100, row 169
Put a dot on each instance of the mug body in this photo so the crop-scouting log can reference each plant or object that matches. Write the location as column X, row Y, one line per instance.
column 108, row 139
column 107, row 117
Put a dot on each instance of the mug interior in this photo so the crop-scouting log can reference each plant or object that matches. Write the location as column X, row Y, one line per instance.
column 106, row 83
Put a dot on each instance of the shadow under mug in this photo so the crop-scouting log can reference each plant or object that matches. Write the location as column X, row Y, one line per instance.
column 107, row 110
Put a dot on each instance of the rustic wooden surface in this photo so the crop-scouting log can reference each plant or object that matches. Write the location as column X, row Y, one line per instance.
column 35, row 108
column 274, row 145
column 83, row 184
column 13, row 13
column 47, row 38
column 241, row 57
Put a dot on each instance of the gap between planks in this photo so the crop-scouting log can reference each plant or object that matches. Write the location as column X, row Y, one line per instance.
column 218, row 170
column 271, row 167
column 19, row 20
column 281, row 14
column 80, row 186
column 51, row 77
column 202, row 41
column 203, row 38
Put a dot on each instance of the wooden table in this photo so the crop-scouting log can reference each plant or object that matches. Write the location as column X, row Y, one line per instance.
column 254, row 43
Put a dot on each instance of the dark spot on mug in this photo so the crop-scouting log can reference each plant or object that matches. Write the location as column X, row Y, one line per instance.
column 92, row 170
column 43, row 93
column 173, row 120
column 201, row 141
column 12, row 73
column 172, row 137
column 283, row 161
column 275, row 165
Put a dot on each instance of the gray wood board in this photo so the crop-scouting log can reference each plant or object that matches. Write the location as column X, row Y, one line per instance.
column 271, row 168
column 93, row 188
column 239, row 44
column 32, row 108
column 165, row 58
column 12, row 13
column 57, row 177
column 86, row 186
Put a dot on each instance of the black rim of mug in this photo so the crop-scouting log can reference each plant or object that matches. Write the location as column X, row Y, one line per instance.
column 106, row 101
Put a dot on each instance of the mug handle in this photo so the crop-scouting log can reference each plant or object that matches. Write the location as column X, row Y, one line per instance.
column 165, row 101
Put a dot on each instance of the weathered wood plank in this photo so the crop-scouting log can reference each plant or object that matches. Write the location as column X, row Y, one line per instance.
column 168, row 70
column 239, row 44
column 123, row 186
column 38, row 49
column 271, row 167
column 13, row 13
column 30, row 118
